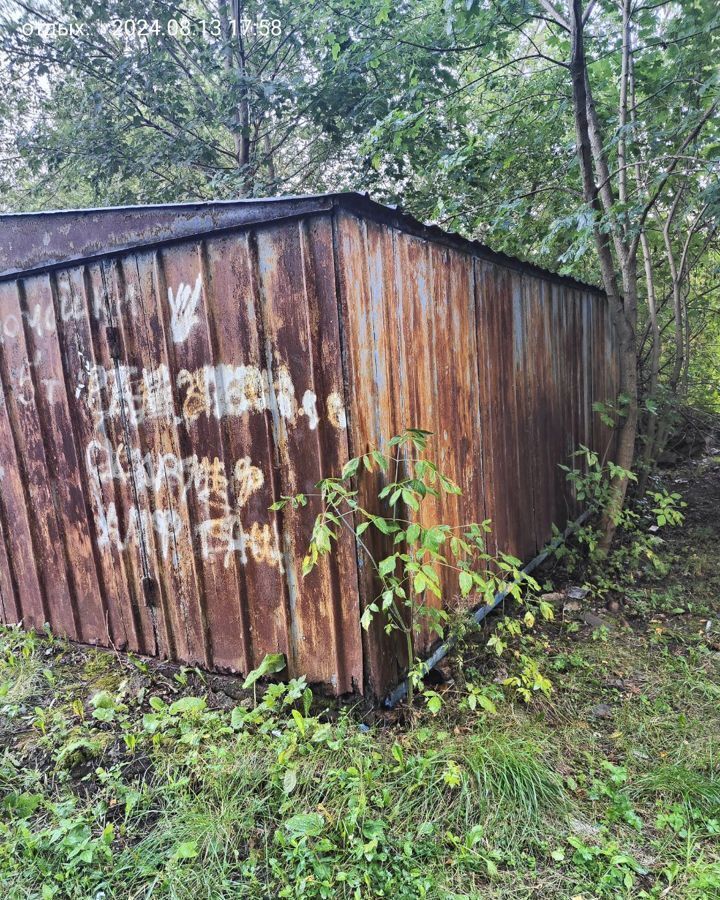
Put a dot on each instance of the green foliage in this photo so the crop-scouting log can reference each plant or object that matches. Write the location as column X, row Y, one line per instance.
column 175, row 795
column 591, row 480
column 636, row 552
column 19, row 670
column 409, row 558
column 272, row 663
column 162, row 104
column 611, row 789
column 529, row 679
column 480, row 698
column 667, row 508
column 265, row 799
column 607, row 868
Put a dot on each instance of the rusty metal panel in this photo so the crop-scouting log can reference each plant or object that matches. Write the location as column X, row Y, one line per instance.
column 154, row 405
column 489, row 413
column 523, row 446
column 497, row 362
column 411, row 361
column 302, row 345
column 457, row 424
column 197, row 362
column 57, row 237
column 556, row 437
column 27, row 417
column 375, row 370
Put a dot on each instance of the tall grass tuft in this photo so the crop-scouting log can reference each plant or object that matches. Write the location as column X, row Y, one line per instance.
column 516, row 785
column 678, row 782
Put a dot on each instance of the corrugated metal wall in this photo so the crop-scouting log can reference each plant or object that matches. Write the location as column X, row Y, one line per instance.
column 156, row 401
column 155, row 406
column 501, row 364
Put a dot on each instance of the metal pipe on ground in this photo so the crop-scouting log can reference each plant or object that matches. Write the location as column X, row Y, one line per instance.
column 400, row 692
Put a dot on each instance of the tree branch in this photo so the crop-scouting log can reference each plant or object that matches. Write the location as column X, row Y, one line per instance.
column 671, row 168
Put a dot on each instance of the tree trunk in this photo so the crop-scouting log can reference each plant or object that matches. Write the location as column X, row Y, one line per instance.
column 627, row 434
column 235, row 59
column 650, row 432
column 651, row 428
column 244, row 101
column 624, row 308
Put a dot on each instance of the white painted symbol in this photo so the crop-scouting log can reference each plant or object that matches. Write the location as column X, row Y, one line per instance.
column 183, row 306
column 309, row 405
column 336, row 410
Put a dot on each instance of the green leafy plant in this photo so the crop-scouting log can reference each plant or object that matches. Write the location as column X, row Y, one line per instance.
column 105, row 707
column 415, row 556
column 612, row 789
column 667, row 507
column 529, row 679
column 606, row 868
column 480, row 698
column 272, row 663
column 636, row 549
column 591, row 479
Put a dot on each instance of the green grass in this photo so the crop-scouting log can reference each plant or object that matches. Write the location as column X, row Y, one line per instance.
column 189, row 802
column 20, row 667
column 678, row 782
column 142, row 793
column 116, row 783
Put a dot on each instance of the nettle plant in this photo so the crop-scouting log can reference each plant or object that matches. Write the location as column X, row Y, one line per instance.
column 415, row 555
column 667, row 506
column 637, row 523
column 591, row 478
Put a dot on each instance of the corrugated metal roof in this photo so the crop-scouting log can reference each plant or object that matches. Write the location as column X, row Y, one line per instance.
column 38, row 241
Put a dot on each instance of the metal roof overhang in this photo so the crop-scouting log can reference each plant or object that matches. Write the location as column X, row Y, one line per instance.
column 39, row 241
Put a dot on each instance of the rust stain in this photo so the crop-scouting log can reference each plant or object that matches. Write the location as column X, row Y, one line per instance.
column 167, row 373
